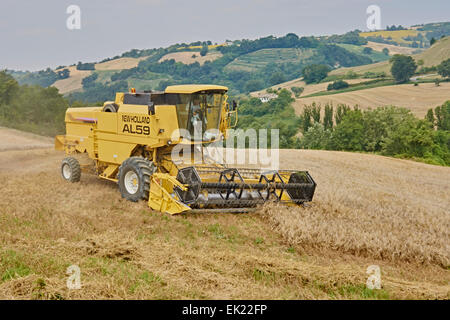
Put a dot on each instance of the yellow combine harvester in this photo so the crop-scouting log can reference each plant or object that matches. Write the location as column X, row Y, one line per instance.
column 131, row 142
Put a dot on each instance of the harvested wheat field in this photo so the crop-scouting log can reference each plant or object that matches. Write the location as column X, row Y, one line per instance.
column 187, row 57
column 119, row 64
column 308, row 88
column 368, row 210
column 418, row 99
column 73, row 83
column 392, row 48
column 18, row 140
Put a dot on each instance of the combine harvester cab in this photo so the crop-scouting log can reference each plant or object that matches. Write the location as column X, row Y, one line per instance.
column 132, row 141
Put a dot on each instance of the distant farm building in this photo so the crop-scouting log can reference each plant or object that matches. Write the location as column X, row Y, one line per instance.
column 267, row 97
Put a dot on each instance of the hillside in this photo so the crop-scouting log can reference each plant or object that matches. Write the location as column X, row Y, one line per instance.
column 392, row 48
column 395, row 35
column 73, row 83
column 432, row 56
column 367, row 210
column 242, row 65
column 416, row 98
column 188, row 57
column 261, row 58
column 309, row 88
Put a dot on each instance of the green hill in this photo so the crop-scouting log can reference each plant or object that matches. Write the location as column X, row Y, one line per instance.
column 261, row 58
column 242, row 65
column 433, row 56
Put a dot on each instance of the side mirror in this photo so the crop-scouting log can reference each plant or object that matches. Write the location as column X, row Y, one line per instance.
column 234, row 107
column 151, row 108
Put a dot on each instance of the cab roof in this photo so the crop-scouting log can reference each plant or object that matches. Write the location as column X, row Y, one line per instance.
column 192, row 88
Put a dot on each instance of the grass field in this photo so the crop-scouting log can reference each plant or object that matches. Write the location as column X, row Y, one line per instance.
column 259, row 59
column 396, row 35
column 432, row 56
column 119, row 64
column 439, row 52
column 416, row 98
column 376, row 56
column 392, row 49
column 367, row 210
column 308, row 88
column 186, row 57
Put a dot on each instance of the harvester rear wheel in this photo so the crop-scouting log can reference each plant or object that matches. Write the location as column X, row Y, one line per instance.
column 134, row 178
column 70, row 169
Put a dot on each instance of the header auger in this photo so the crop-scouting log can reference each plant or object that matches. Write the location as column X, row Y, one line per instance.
column 132, row 138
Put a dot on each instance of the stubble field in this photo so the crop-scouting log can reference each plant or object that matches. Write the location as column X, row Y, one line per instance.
column 367, row 210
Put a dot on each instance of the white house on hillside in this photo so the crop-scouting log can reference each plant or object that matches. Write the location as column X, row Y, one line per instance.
column 267, row 97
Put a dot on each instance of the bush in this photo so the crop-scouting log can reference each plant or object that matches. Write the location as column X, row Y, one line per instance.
column 85, row 66
column 338, row 84
column 315, row 73
column 390, row 131
column 253, row 85
column 317, row 137
column 444, row 68
column 403, row 67
column 297, row 91
column 373, row 75
column 367, row 50
column 204, row 51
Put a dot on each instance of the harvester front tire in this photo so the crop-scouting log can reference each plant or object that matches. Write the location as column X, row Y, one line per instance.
column 70, row 169
column 134, row 178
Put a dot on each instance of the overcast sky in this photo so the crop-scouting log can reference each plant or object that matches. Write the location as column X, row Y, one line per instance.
column 33, row 34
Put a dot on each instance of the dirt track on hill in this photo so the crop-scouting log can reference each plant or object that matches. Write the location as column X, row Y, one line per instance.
column 367, row 210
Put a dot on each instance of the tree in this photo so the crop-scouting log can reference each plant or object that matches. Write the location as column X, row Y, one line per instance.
column 276, row 78
column 444, row 68
column 403, row 67
column 85, row 66
column 89, row 80
column 8, row 88
column 367, row 50
column 349, row 134
column 430, row 117
column 297, row 91
column 432, row 41
column 341, row 110
column 338, row 84
column 328, row 117
column 317, row 137
column 443, row 116
column 306, row 119
column 385, row 51
column 63, row 74
column 204, row 50
column 315, row 112
column 315, row 73
column 253, row 85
